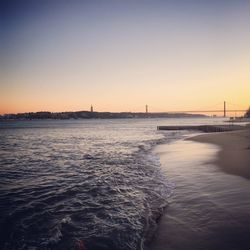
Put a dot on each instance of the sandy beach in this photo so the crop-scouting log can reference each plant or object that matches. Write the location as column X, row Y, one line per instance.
column 210, row 206
column 234, row 156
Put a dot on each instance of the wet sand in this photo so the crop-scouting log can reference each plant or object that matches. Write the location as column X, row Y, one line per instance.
column 210, row 206
column 234, row 156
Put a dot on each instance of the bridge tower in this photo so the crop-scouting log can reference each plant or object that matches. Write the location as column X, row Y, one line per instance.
column 91, row 109
column 225, row 109
column 146, row 109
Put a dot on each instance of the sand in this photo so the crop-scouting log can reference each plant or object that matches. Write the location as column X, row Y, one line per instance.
column 210, row 205
column 234, row 156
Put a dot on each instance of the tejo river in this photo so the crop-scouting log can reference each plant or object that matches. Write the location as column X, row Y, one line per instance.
column 84, row 184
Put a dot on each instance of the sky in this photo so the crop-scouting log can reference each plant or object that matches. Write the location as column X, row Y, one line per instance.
column 119, row 55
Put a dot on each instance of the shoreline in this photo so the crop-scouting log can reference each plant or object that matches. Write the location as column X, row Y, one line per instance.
column 209, row 208
column 234, row 154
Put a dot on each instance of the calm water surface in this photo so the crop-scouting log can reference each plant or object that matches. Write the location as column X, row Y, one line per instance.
column 91, row 183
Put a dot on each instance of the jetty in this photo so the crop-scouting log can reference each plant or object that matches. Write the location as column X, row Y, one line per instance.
column 204, row 128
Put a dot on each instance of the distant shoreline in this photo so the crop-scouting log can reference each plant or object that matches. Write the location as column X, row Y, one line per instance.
column 93, row 115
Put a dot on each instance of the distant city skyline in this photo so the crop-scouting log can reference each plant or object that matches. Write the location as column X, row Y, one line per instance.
column 122, row 55
column 225, row 111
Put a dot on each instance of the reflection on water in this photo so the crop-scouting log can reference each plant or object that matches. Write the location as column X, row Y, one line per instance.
column 90, row 181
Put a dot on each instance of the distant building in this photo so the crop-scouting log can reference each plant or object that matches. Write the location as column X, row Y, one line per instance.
column 91, row 109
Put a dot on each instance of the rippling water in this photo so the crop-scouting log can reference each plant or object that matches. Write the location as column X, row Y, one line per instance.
column 90, row 183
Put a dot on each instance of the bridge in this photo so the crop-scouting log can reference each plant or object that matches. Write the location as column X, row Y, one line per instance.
column 223, row 110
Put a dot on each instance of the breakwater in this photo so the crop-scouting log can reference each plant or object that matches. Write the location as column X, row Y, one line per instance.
column 203, row 128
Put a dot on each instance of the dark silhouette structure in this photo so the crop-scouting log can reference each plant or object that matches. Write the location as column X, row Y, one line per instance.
column 247, row 115
column 93, row 115
column 225, row 109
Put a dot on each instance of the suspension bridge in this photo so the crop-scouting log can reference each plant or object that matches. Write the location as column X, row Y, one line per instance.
column 224, row 110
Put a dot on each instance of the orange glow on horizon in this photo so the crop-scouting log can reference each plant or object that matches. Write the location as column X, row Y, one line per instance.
column 120, row 58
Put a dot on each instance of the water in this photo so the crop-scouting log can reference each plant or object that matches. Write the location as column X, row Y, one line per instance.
column 91, row 183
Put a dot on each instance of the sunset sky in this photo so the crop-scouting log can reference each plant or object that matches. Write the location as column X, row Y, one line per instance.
column 121, row 55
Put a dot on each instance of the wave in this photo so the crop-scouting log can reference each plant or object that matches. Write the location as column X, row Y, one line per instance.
column 67, row 188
